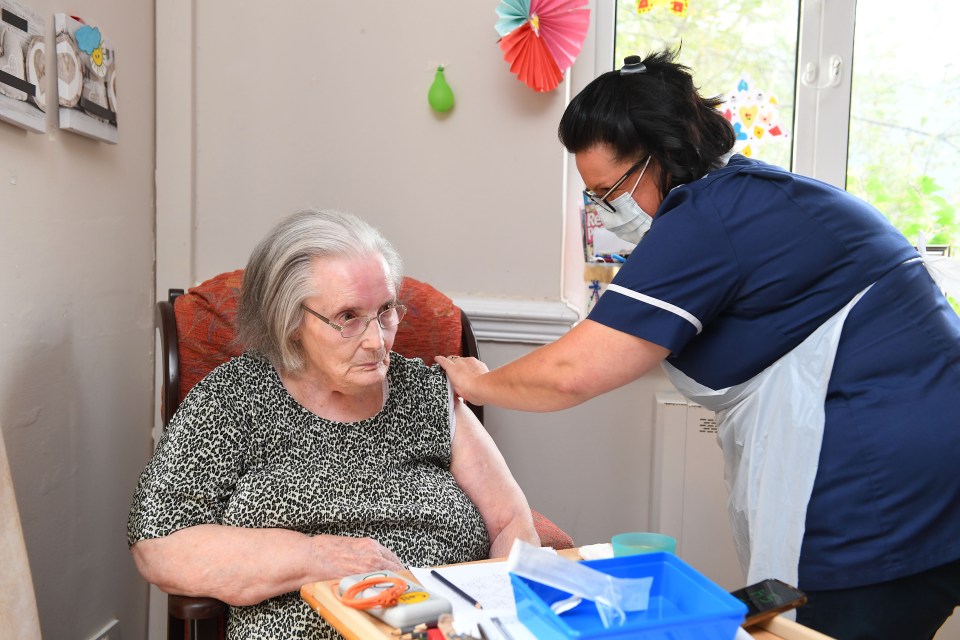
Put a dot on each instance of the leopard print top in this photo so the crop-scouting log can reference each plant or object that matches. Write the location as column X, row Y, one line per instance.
column 241, row 451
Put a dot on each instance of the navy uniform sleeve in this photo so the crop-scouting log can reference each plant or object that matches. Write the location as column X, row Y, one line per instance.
column 680, row 276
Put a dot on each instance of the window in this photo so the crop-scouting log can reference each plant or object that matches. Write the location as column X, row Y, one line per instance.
column 742, row 50
column 904, row 147
column 863, row 95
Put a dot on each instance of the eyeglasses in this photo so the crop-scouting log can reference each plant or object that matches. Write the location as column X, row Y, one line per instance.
column 601, row 201
column 387, row 319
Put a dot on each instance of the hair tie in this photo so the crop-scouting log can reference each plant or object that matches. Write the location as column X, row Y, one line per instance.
column 386, row 598
column 632, row 64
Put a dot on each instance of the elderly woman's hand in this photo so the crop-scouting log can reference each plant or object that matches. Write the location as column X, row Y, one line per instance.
column 462, row 373
column 345, row 556
column 230, row 563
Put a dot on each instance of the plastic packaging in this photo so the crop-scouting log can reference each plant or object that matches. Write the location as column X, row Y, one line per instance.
column 612, row 596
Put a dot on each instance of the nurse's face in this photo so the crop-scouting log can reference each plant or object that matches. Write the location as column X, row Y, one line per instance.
column 600, row 170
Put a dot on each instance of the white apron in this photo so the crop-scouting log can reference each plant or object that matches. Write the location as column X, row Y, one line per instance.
column 944, row 270
column 770, row 429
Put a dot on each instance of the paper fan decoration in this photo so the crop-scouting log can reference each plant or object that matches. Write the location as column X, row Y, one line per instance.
column 541, row 38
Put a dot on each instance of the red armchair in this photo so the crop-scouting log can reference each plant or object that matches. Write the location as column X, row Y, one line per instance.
column 197, row 334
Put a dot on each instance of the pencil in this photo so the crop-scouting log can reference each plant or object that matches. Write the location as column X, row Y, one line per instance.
column 460, row 592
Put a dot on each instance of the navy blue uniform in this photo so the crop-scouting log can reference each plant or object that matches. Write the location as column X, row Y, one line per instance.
column 739, row 268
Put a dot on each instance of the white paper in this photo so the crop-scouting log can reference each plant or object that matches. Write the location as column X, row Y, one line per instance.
column 599, row 551
column 489, row 584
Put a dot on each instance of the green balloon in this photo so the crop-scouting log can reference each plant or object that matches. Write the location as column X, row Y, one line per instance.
column 440, row 95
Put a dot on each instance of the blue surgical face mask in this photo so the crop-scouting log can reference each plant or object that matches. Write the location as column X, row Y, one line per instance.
column 629, row 222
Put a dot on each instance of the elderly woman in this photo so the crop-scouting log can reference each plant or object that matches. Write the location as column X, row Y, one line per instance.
column 318, row 453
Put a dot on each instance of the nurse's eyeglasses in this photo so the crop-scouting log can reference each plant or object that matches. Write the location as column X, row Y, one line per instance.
column 601, row 201
column 387, row 319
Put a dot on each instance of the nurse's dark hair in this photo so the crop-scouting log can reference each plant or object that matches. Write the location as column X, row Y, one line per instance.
column 279, row 277
column 657, row 111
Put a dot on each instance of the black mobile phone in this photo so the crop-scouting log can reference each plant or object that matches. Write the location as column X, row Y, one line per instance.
column 767, row 599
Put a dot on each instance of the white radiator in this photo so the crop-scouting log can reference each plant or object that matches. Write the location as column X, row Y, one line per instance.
column 688, row 496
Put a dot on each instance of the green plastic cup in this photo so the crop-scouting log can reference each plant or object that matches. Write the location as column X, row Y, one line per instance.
column 630, row 544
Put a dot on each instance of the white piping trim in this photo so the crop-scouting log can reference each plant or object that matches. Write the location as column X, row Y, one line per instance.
column 666, row 306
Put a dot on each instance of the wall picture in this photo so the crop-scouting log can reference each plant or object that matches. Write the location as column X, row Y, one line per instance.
column 23, row 66
column 86, row 79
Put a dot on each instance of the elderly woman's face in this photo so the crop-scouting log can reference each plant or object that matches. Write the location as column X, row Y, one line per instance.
column 351, row 287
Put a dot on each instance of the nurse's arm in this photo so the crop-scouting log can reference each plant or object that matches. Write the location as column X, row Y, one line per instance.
column 586, row 362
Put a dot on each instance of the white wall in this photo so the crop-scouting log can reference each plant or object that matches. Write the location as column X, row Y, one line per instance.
column 76, row 336
column 587, row 468
column 326, row 104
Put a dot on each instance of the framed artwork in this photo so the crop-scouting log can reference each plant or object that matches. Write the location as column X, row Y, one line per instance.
column 86, row 80
column 23, row 65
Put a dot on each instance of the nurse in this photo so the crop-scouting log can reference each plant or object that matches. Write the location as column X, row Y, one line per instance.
column 803, row 318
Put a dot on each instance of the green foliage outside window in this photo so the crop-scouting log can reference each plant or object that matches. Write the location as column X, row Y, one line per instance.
column 914, row 204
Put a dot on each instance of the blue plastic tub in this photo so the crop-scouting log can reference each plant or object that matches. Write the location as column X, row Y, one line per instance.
column 684, row 604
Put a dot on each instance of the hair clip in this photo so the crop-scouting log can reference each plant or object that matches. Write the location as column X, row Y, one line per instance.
column 632, row 64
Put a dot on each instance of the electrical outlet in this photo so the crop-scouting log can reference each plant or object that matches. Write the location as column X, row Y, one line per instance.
column 109, row 632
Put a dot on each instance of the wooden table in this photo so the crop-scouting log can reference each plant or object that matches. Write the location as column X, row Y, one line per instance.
column 354, row 624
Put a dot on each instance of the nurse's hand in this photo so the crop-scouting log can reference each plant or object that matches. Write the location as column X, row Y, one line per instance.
column 463, row 374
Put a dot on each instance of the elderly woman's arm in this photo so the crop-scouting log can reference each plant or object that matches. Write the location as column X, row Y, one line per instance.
column 588, row 361
column 245, row 566
column 482, row 473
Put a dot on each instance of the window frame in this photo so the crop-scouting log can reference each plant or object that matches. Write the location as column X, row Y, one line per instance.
column 822, row 115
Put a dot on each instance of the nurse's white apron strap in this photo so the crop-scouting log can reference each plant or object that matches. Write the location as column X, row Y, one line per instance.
column 944, row 270
column 770, row 429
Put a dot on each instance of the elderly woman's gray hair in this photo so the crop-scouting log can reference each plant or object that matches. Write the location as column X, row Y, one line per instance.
column 277, row 279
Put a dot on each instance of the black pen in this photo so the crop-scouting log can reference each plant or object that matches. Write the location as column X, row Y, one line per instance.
column 483, row 634
column 460, row 592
